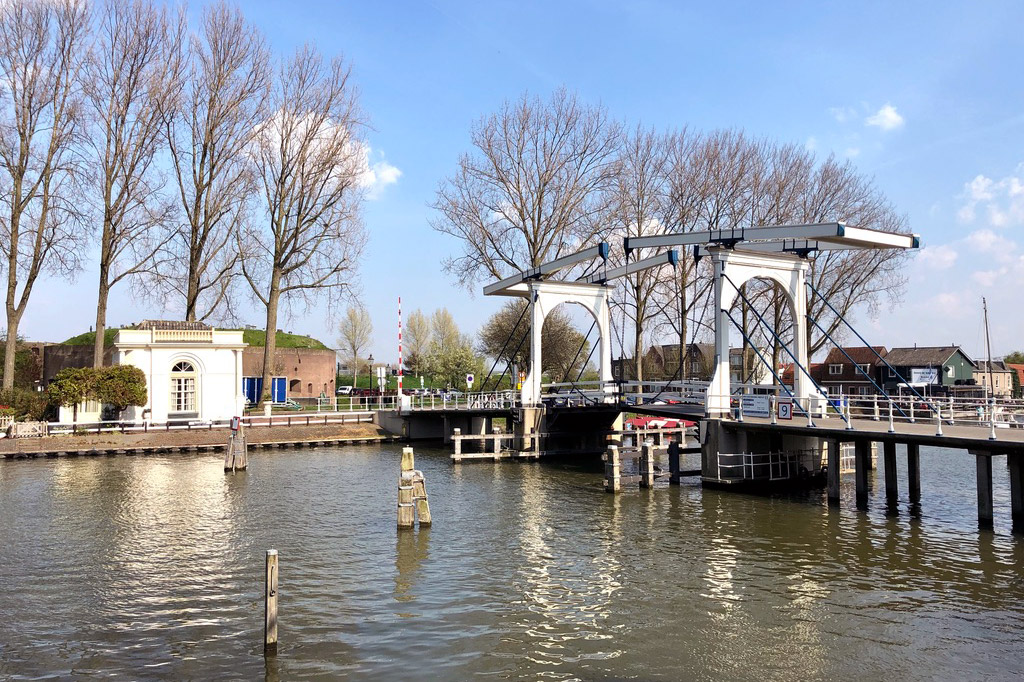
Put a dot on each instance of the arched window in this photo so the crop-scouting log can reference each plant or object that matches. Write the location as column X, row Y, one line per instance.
column 183, row 389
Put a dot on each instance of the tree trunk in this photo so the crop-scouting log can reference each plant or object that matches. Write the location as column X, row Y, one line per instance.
column 11, row 346
column 192, row 292
column 270, row 343
column 638, row 343
column 101, row 321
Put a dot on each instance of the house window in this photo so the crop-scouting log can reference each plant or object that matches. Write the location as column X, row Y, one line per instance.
column 866, row 369
column 183, row 388
column 835, row 369
column 892, row 373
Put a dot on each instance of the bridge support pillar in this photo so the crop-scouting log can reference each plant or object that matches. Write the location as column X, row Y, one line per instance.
column 647, row 465
column 1015, row 463
column 914, row 471
column 612, row 470
column 833, row 472
column 862, row 455
column 892, row 491
column 984, row 489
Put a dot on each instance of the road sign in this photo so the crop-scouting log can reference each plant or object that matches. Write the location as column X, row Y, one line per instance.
column 785, row 409
column 469, row 381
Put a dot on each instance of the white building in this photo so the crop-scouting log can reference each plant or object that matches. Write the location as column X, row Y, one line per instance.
column 193, row 372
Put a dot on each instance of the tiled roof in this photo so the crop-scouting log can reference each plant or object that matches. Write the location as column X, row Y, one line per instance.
column 922, row 356
column 862, row 355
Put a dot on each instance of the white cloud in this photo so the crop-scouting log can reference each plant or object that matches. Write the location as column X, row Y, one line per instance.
column 1001, row 202
column 843, row 114
column 987, row 278
column 376, row 175
column 886, row 118
column 851, row 152
column 941, row 257
column 811, row 144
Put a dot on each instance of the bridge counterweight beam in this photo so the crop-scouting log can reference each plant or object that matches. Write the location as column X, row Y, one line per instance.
column 891, row 486
column 833, row 472
column 862, row 455
column 914, row 471
column 984, row 489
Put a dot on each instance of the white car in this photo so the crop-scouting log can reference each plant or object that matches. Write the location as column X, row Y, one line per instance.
column 344, row 390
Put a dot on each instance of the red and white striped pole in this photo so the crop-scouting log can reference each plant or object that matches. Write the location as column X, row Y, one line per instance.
column 399, row 346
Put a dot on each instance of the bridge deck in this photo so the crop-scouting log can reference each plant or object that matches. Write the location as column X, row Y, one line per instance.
column 973, row 438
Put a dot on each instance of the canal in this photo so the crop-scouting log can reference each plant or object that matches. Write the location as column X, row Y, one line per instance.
column 152, row 568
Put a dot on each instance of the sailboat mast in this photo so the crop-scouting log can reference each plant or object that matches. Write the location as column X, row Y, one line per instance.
column 988, row 349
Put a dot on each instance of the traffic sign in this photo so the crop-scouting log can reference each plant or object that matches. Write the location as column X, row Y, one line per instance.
column 785, row 409
column 469, row 381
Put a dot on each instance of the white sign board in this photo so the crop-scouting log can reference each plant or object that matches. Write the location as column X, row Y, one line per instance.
column 754, row 405
column 785, row 409
column 469, row 381
column 926, row 375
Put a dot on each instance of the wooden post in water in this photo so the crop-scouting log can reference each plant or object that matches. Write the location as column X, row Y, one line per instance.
column 674, row 466
column 412, row 489
column 457, row 457
column 1016, row 466
column 891, row 486
column 406, row 511
column 497, row 442
column 914, row 471
column 834, row 453
column 647, row 464
column 861, row 455
column 237, row 456
column 984, row 489
column 270, row 605
column 612, row 471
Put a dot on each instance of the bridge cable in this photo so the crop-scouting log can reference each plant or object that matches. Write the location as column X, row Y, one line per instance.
column 497, row 359
column 857, row 366
column 767, row 364
column 796, row 363
column 864, row 341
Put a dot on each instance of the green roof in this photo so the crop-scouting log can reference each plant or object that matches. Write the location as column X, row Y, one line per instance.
column 89, row 338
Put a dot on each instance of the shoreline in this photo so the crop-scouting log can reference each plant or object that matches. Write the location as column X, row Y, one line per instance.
column 159, row 442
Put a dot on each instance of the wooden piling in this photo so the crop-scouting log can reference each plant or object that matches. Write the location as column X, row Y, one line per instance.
column 647, row 465
column 412, row 493
column 237, row 454
column 1016, row 469
column 612, row 470
column 862, row 453
column 891, row 486
column 673, row 462
column 984, row 489
column 270, row 605
column 914, row 471
column 457, row 457
column 834, row 451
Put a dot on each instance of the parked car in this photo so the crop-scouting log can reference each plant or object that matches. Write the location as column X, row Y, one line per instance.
column 344, row 390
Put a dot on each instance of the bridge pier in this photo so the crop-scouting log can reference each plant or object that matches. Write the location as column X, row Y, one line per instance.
column 834, row 447
column 1016, row 467
column 914, row 471
column 892, row 493
column 984, row 461
column 862, row 455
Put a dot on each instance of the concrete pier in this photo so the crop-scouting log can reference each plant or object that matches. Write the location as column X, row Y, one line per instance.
column 862, row 462
column 984, row 488
column 833, row 472
column 914, row 471
column 892, row 492
column 1015, row 465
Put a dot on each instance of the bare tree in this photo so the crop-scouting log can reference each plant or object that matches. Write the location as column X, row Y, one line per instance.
column 41, row 49
column 355, row 331
column 132, row 84
column 417, row 340
column 309, row 159
column 534, row 189
column 223, row 101
column 638, row 208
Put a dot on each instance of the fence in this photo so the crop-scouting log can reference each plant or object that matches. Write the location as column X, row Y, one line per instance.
column 324, row 418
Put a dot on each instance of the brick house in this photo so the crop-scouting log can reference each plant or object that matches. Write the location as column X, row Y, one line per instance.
column 845, row 369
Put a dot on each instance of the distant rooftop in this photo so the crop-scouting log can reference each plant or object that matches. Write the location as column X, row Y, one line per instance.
column 171, row 325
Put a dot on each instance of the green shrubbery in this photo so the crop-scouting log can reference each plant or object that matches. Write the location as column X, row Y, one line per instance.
column 118, row 386
column 23, row 404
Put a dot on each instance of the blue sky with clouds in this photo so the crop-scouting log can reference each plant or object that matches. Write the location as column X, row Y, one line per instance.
column 924, row 97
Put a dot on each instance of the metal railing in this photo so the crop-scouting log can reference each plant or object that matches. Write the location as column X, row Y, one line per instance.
column 278, row 420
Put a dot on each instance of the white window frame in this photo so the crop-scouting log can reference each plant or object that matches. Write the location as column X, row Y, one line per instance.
column 834, row 369
column 184, row 389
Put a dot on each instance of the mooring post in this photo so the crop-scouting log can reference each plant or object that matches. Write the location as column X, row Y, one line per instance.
column 891, row 486
column 647, row 465
column 849, row 415
column 984, row 489
column 892, row 427
column 496, row 432
column 1016, row 470
column 612, row 471
column 914, row 471
column 912, row 420
column 406, row 513
column 457, row 441
column 861, row 453
column 673, row 460
column 833, row 471
column 270, row 605
column 875, row 418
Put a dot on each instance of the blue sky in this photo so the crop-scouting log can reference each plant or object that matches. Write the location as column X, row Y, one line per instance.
column 924, row 97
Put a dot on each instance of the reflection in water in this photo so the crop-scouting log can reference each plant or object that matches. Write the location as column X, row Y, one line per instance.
column 152, row 568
